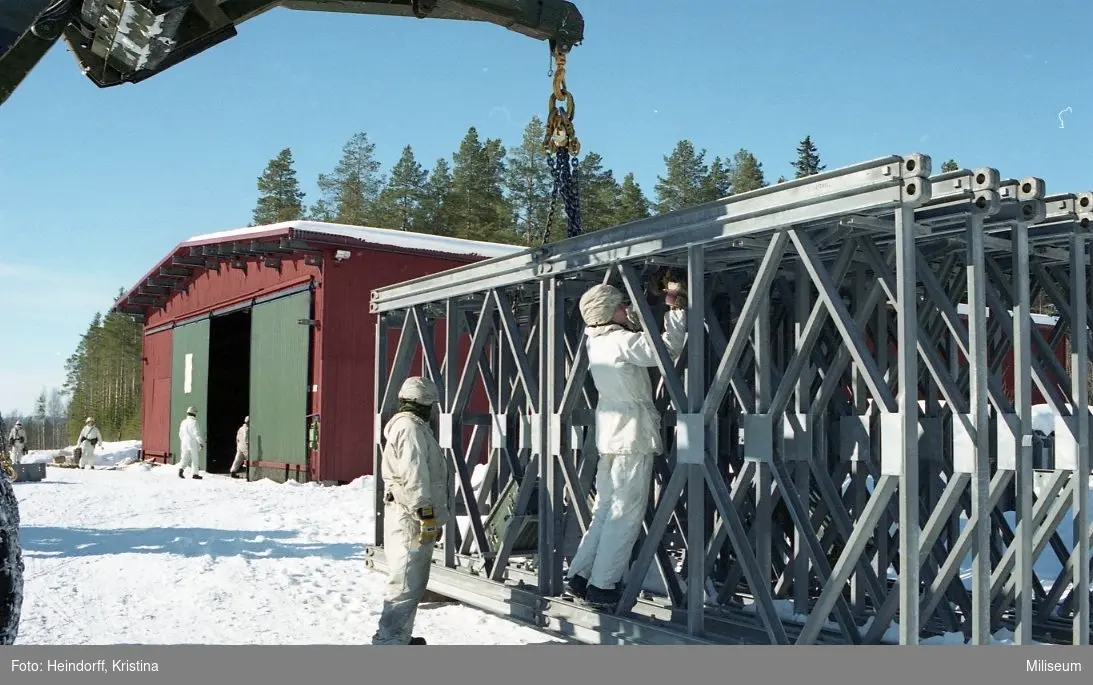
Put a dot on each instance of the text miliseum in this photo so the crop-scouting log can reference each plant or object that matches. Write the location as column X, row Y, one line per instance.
column 1045, row 666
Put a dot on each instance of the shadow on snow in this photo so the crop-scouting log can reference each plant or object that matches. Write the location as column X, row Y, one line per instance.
column 51, row 542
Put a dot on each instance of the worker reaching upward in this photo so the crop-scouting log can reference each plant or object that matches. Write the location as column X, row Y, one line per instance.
column 628, row 435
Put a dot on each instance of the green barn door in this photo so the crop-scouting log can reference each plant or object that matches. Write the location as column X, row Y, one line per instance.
column 280, row 356
column 189, row 379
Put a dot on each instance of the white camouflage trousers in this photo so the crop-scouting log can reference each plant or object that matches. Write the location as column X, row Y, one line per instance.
column 237, row 463
column 622, row 495
column 87, row 455
column 408, row 565
column 190, row 458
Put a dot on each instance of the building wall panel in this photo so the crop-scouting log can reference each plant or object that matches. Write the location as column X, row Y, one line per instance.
column 279, row 384
column 215, row 289
column 156, row 389
column 190, row 379
column 346, row 383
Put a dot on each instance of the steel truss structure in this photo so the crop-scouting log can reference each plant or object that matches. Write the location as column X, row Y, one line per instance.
column 817, row 486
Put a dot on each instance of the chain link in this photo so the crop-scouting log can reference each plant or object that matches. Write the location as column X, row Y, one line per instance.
column 562, row 148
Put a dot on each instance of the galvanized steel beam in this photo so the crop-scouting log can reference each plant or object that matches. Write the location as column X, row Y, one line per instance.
column 843, row 450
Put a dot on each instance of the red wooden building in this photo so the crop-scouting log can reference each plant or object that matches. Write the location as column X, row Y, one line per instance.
column 273, row 322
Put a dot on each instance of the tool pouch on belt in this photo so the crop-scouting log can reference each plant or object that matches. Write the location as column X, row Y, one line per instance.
column 428, row 525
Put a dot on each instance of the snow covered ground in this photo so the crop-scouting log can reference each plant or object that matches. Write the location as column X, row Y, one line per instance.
column 129, row 553
column 133, row 554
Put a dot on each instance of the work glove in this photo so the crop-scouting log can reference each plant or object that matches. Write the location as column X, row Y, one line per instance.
column 675, row 295
column 429, row 530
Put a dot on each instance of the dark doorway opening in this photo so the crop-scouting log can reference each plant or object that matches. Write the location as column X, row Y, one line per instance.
column 229, row 386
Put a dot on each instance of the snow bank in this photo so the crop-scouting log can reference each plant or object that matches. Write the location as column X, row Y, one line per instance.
column 120, row 453
column 1043, row 417
column 136, row 555
column 1039, row 319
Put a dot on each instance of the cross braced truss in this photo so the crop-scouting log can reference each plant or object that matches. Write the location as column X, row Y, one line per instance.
column 847, row 459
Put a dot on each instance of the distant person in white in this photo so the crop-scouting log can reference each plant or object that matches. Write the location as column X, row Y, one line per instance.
column 89, row 439
column 17, row 442
column 191, row 442
column 242, row 447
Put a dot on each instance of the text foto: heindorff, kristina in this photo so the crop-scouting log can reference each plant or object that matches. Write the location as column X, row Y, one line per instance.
column 99, row 666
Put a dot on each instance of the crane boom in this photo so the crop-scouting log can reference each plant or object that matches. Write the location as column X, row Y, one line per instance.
column 128, row 41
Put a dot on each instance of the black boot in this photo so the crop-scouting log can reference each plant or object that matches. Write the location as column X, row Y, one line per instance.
column 600, row 598
column 181, row 473
column 418, row 641
column 577, row 587
column 196, row 477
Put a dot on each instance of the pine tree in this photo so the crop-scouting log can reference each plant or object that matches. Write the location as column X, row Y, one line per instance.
column 630, row 202
column 399, row 203
column 718, row 181
column 320, row 211
column 685, row 180
column 781, row 179
column 808, row 159
column 279, row 194
column 477, row 201
column 599, row 192
column 746, row 172
column 103, row 377
column 433, row 209
column 950, row 165
column 351, row 189
column 528, row 182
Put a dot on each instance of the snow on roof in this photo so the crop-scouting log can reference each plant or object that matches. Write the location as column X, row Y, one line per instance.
column 367, row 234
column 337, row 234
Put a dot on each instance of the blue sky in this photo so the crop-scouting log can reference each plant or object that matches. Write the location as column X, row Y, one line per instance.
column 96, row 185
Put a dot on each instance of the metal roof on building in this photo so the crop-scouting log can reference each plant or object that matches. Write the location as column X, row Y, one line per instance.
column 273, row 242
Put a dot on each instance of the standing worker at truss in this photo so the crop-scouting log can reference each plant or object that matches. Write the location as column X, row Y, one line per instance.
column 242, row 447
column 628, row 435
column 190, row 442
column 17, row 442
column 89, row 439
column 417, row 503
